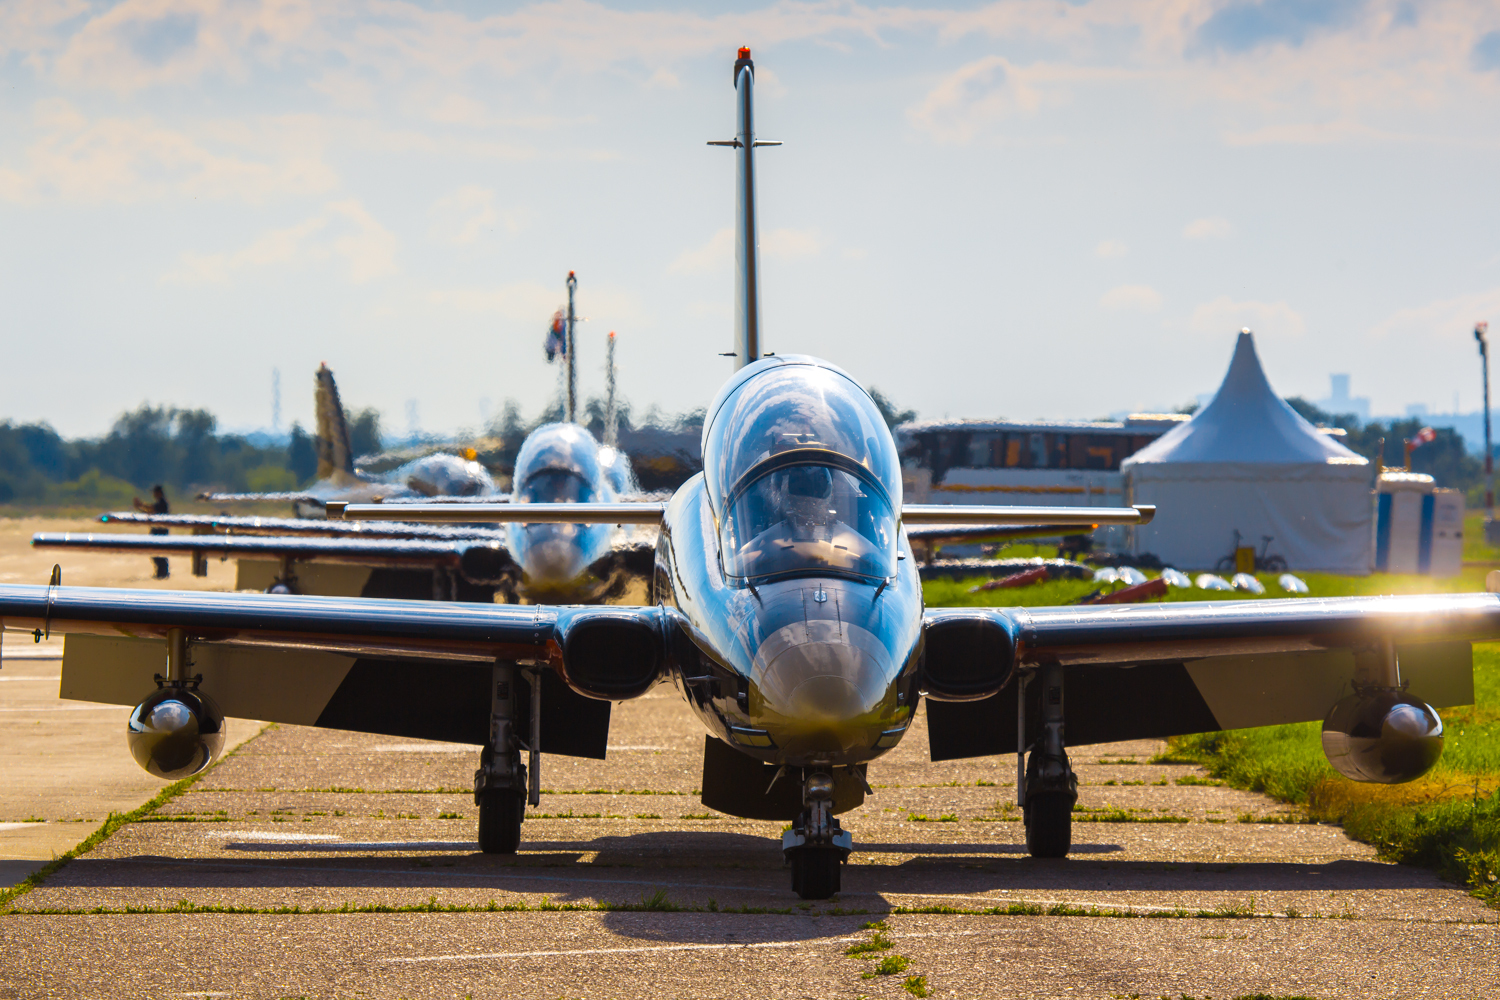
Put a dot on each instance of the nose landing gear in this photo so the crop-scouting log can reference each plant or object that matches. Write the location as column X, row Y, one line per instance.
column 816, row 845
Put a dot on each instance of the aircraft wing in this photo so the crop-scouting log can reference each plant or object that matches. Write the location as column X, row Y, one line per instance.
column 974, row 534
column 948, row 515
column 1158, row 670
column 523, row 513
column 391, row 493
column 480, row 560
column 230, row 524
column 398, row 667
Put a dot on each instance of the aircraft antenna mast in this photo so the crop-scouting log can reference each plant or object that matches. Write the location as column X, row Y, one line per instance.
column 746, row 236
column 570, row 401
column 611, row 420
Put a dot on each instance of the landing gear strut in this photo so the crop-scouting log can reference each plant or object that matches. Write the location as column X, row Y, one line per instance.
column 1050, row 788
column 500, row 787
column 816, row 845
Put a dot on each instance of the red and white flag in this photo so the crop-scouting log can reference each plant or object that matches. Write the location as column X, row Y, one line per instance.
column 1423, row 436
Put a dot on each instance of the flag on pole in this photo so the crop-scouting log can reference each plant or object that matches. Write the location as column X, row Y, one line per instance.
column 1423, row 436
column 557, row 336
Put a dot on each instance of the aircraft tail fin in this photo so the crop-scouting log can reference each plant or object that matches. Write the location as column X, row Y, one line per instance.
column 335, row 455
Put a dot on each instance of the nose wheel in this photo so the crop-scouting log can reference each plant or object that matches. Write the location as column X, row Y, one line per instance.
column 816, row 846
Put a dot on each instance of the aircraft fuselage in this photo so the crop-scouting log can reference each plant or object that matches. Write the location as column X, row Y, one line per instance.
column 805, row 671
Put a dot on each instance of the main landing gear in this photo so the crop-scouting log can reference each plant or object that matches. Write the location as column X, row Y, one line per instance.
column 1048, row 788
column 816, row 845
column 500, row 785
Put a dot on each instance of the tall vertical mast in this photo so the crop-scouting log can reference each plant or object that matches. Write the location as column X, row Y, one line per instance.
column 611, row 421
column 570, row 401
column 747, row 348
column 1480, row 329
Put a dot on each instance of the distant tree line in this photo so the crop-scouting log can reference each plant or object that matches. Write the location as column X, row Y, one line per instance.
column 183, row 451
column 1446, row 458
column 180, row 449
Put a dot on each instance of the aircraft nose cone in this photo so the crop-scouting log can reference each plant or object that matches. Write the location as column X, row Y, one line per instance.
column 826, row 699
column 824, row 687
column 551, row 556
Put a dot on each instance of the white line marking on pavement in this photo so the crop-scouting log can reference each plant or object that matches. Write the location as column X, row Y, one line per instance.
column 17, row 826
column 271, row 835
column 727, row 946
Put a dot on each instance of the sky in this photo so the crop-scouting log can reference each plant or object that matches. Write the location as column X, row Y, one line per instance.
column 1025, row 209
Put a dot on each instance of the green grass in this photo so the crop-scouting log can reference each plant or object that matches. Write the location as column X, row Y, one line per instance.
column 1448, row 820
column 955, row 593
column 1475, row 550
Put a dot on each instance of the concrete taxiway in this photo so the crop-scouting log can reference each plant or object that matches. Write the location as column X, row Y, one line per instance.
column 625, row 883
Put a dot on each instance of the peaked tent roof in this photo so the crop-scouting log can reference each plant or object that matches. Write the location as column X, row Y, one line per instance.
column 1246, row 422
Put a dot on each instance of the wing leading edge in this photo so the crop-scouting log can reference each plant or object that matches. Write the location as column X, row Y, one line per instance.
column 397, row 667
column 1152, row 671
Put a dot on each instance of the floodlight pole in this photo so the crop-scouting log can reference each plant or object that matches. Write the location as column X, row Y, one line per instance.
column 1480, row 329
column 571, row 400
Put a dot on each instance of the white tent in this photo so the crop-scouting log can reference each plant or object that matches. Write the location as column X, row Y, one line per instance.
column 1248, row 462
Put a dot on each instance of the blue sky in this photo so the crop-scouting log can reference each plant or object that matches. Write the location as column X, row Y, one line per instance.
column 1024, row 209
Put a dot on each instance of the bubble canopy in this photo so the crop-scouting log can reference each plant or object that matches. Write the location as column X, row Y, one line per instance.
column 552, row 455
column 790, row 433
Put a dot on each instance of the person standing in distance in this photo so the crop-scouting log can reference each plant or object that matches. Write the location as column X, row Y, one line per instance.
column 158, row 505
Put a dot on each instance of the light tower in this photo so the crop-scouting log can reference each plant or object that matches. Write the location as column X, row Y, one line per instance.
column 1491, row 532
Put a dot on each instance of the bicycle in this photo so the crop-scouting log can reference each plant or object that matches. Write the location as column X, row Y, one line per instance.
column 1265, row 561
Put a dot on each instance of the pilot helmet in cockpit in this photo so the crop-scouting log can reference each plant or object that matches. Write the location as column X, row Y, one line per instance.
column 804, row 474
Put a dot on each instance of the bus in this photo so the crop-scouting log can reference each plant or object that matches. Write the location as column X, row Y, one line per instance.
column 1056, row 463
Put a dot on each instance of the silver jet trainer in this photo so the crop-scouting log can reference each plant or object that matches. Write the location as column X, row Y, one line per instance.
column 786, row 608
column 545, row 562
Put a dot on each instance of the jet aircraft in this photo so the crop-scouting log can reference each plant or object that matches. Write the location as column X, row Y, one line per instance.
column 438, row 475
column 560, row 562
column 786, row 609
column 558, row 463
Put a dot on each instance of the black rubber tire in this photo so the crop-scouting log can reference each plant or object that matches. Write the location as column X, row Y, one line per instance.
column 816, row 872
column 1049, row 824
column 1275, row 564
column 500, row 815
column 1225, row 565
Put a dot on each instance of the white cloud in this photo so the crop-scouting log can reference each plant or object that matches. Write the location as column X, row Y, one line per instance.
column 1443, row 320
column 663, row 77
column 776, row 244
column 972, row 97
column 463, row 216
column 1142, row 298
column 522, row 302
column 77, row 159
column 1332, row 62
column 786, row 244
column 1267, row 319
column 1211, row 227
column 1111, row 248
column 715, row 253
column 342, row 230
